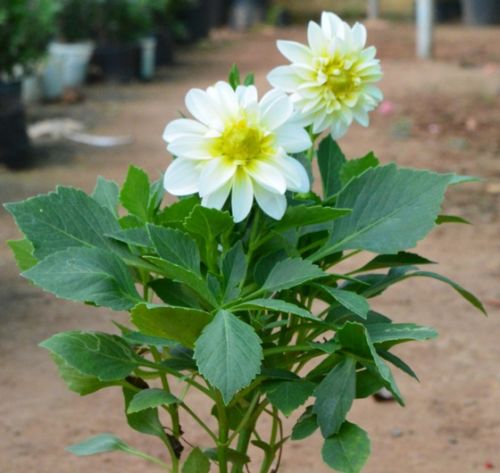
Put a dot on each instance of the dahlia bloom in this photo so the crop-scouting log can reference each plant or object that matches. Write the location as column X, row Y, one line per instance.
column 331, row 81
column 236, row 144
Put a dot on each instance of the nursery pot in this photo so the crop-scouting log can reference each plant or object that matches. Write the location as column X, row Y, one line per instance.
column 74, row 58
column 245, row 13
column 147, row 61
column 14, row 141
column 447, row 10
column 31, row 89
column 116, row 62
column 52, row 79
column 164, row 47
column 197, row 20
column 481, row 12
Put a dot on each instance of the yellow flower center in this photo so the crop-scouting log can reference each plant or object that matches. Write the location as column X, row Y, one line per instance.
column 342, row 78
column 242, row 143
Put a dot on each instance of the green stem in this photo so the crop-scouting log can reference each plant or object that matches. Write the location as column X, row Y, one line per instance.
column 199, row 421
column 222, row 443
column 269, row 457
column 288, row 349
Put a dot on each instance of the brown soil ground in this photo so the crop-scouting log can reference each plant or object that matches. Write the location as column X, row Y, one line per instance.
column 442, row 114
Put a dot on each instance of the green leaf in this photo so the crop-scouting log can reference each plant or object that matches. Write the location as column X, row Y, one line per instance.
column 397, row 362
column 228, row 354
column 350, row 300
column 451, row 219
column 133, row 236
column 368, row 383
column 234, row 77
column 67, row 218
column 276, row 305
column 234, row 270
column 334, row 396
column 289, row 395
column 101, row 443
column 330, row 162
column 134, row 195
column 150, row 398
column 392, row 261
column 175, row 247
column 196, row 462
column 305, row 426
column 355, row 167
column 137, row 338
column 144, row 420
column 208, row 223
column 348, row 450
column 392, row 209
column 106, row 193
column 290, row 273
column 174, row 293
column 107, row 357
column 77, row 381
column 355, row 339
column 175, row 215
column 176, row 323
column 23, row 253
column 302, row 215
column 87, row 275
column 249, row 79
column 398, row 333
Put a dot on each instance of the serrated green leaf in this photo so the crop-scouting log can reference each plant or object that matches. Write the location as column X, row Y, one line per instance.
column 23, row 253
column 305, row 426
column 289, row 395
column 87, row 275
column 330, row 161
column 175, row 214
column 67, row 218
column 354, row 338
column 290, row 273
column 348, row 450
column 402, row 258
column 182, row 324
column 133, row 236
column 334, row 396
column 302, row 215
column 353, row 302
column 392, row 209
column 77, row 381
column 175, row 247
column 276, row 305
column 228, row 354
column 106, row 194
column 107, row 357
column 368, row 382
column 208, row 223
column 134, row 195
column 150, row 398
column 355, row 167
column 196, row 462
column 234, row 269
column 145, row 421
column 174, row 293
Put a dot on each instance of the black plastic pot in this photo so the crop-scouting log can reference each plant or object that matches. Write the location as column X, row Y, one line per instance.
column 116, row 62
column 197, row 20
column 481, row 12
column 448, row 10
column 164, row 47
column 15, row 150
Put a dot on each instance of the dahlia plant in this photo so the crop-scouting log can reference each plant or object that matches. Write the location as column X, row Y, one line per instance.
column 236, row 290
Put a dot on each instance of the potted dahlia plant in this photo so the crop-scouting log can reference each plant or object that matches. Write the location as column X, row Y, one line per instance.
column 235, row 290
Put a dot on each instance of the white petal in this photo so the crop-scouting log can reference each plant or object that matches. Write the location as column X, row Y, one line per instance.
column 284, row 77
column 330, row 23
column 338, row 129
column 358, row 36
column 182, row 127
column 272, row 204
column 228, row 101
column 191, row 146
column 215, row 174
column 361, row 116
column 246, row 95
column 276, row 108
column 316, row 38
column 296, row 176
column 267, row 176
column 217, row 199
column 242, row 196
column 181, row 177
column 295, row 52
column 203, row 108
column 292, row 138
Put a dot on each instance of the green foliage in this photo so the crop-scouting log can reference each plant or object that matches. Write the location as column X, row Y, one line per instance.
column 238, row 318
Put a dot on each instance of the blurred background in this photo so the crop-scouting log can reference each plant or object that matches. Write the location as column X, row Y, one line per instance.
column 87, row 87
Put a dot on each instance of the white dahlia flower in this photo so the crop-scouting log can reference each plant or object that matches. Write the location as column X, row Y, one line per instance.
column 237, row 145
column 330, row 80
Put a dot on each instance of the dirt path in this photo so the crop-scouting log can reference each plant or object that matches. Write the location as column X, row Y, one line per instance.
column 442, row 115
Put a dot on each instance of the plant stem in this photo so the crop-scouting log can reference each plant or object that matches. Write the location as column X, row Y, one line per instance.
column 222, row 443
column 199, row 421
column 269, row 457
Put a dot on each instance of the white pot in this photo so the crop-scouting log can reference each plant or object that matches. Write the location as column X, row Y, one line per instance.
column 75, row 58
column 148, row 58
column 30, row 89
column 52, row 83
